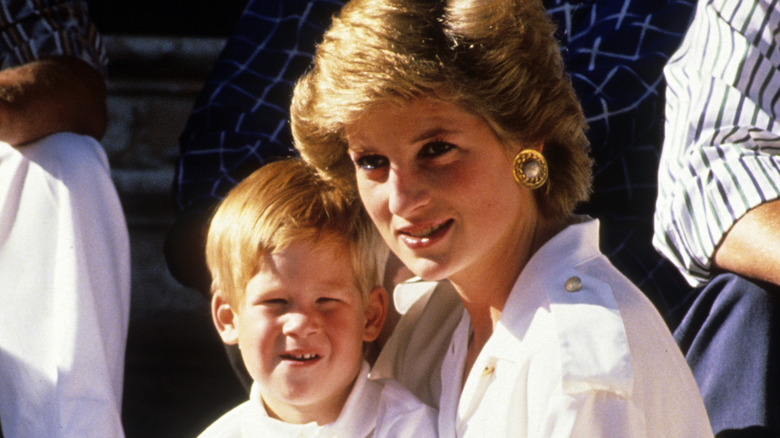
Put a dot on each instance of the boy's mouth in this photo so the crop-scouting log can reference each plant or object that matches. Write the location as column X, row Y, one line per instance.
column 300, row 357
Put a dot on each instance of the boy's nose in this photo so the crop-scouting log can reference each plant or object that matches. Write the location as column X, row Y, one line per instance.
column 301, row 324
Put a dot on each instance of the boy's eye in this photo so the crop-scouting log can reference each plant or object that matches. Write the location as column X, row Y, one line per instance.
column 274, row 302
column 435, row 148
column 371, row 162
column 328, row 303
column 327, row 300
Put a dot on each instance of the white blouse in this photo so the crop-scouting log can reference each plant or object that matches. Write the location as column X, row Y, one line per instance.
column 578, row 351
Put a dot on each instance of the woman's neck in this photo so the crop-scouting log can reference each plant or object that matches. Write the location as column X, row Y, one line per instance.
column 484, row 316
column 485, row 293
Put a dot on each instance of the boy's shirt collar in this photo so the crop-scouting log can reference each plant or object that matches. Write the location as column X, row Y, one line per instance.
column 354, row 420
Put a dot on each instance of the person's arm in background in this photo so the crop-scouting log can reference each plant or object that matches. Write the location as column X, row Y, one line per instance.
column 719, row 181
column 64, row 254
column 52, row 63
column 752, row 246
column 59, row 94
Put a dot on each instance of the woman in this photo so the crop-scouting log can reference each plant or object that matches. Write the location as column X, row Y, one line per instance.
column 460, row 131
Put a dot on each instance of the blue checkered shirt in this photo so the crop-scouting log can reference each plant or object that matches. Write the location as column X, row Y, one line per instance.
column 31, row 30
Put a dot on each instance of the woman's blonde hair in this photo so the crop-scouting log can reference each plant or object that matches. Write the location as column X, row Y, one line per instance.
column 279, row 204
column 495, row 58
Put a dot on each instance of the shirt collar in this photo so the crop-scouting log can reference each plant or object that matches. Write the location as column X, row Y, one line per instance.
column 355, row 419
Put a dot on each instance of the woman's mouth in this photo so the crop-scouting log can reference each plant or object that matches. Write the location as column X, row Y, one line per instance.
column 418, row 238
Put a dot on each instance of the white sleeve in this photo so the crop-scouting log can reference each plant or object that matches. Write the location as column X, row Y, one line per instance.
column 65, row 270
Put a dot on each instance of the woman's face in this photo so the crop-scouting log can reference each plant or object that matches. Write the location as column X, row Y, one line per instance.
column 438, row 184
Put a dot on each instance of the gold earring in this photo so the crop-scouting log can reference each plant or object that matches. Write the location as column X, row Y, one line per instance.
column 530, row 169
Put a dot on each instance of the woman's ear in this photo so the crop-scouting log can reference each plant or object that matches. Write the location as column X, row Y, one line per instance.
column 375, row 313
column 224, row 319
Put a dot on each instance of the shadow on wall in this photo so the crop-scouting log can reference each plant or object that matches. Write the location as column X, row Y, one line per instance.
column 177, row 377
column 196, row 18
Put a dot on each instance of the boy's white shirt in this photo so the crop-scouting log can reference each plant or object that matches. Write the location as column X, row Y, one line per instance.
column 374, row 408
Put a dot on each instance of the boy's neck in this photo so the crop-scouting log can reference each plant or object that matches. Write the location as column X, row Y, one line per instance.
column 321, row 412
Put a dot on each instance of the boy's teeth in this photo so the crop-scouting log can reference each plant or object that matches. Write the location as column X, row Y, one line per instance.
column 302, row 356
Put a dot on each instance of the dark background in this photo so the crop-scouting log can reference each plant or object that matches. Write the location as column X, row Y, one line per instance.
column 177, row 378
column 204, row 18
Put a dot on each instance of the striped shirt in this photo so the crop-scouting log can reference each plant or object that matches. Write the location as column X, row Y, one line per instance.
column 721, row 154
column 31, row 30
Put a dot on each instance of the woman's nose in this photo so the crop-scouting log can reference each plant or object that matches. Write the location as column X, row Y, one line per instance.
column 406, row 191
column 301, row 323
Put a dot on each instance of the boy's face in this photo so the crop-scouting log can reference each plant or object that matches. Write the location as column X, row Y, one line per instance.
column 301, row 330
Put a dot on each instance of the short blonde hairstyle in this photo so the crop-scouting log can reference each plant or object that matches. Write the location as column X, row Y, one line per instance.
column 281, row 203
column 497, row 59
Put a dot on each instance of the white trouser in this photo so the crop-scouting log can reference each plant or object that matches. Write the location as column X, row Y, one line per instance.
column 64, row 290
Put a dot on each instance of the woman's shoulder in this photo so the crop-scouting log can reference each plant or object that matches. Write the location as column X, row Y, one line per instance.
column 601, row 322
column 589, row 330
column 613, row 338
column 640, row 318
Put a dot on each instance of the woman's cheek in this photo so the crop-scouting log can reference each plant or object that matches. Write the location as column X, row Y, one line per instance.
column 371, row 197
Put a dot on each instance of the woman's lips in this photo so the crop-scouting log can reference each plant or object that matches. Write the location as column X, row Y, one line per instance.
column 417, row 238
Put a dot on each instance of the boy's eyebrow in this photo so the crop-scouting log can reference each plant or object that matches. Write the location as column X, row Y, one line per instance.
column 340, row 286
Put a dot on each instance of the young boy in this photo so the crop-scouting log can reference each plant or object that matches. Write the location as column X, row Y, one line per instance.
column 295, row 264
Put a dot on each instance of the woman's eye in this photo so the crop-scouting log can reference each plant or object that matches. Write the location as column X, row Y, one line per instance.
column 371, row 162
column 435, row 148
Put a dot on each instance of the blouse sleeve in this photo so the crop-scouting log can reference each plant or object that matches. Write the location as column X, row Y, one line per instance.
column 593, row 414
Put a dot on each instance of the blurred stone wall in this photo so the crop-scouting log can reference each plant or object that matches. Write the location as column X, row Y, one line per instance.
column 177, row 378
column 152, row 84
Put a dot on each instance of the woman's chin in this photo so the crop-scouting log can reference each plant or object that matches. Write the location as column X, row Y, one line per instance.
column 427, row 270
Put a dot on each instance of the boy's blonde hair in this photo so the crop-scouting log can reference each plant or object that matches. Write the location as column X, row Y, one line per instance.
column 281, row 203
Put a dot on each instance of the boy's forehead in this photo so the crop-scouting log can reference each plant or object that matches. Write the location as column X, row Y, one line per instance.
column 309, row 246
column 325, row 263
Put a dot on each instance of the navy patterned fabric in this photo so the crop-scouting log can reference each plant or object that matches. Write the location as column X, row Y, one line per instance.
column 615, row 51
column 31, row 30
column 240, row 119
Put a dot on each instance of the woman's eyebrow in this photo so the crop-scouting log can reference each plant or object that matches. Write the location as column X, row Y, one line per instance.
column 434, row 132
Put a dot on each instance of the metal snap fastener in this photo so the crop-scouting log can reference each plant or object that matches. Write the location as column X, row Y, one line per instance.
column 573, row 284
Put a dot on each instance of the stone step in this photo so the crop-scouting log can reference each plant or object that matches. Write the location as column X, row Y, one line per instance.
column 177, row 377
column 152, row 84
